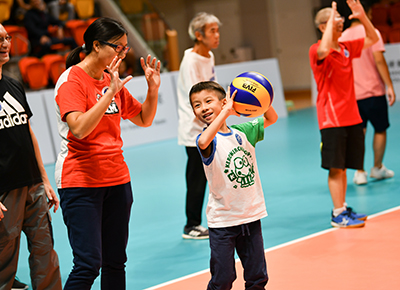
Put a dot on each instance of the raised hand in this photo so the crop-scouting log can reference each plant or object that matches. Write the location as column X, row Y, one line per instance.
column 116, row 83
column 356, row 9
column 151, row 70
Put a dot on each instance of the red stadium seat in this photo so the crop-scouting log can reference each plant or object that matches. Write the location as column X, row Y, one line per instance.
column 33, row 72
column 19, row 42
column 394, row 12
column 394, row 35
column 380, row 14
column 55, row 66
column 77, row 28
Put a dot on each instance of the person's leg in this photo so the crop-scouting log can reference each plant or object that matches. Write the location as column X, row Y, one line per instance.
column 379, row 146
column 250, row 249
column 116, row 214
column 43, row 259
column 10, row 234
column 360, row 175
column 380, row 122
column 337, row 186
column 222, row 261
column 196, row 185
column 82, row 211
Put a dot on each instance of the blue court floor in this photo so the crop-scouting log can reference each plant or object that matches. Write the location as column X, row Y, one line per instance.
column 295, row 189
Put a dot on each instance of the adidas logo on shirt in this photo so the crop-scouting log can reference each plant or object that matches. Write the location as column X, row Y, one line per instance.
column 11, row 113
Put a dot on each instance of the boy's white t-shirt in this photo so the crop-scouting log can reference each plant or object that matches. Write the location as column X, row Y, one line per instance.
column 194, row 68
column 236, row 196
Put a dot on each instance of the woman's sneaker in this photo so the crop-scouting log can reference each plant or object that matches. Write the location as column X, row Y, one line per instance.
column 195, row 233
column 381, row 173
column 360, row 177
column 345, row 220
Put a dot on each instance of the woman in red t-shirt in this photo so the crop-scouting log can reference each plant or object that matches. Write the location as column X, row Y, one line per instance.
column 92, row 177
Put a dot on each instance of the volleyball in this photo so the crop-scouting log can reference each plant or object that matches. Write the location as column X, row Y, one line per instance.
column 254, row 94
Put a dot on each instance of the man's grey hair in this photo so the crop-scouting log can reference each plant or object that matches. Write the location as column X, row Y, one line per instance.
column 199, row 22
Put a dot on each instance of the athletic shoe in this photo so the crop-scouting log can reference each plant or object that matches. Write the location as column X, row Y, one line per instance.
column 356, row 216
column 195, row 233
column 381, row 173
column 18, row 285
column 360, row 177
column 344, row 220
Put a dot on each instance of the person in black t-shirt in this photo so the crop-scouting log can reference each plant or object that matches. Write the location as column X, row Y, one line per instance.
column 26, row 195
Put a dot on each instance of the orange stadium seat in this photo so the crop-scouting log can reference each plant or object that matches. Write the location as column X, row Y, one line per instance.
column 84, row 8
column 5, row 9
column 55, row 66
column 33, row 72
column 19, row 42
column 131, row 7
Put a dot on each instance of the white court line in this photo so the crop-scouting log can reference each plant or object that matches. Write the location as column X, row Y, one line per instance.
column 272, row 249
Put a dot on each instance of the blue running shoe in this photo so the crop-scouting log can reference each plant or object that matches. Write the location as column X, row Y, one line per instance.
column 356, row 216
column 344, row 220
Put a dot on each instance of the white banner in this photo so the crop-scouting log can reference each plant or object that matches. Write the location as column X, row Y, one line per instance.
column 165, row 124
column 40, row 126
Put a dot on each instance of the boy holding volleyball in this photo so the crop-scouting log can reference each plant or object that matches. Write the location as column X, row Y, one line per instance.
column 342, row 137
column 236, row 201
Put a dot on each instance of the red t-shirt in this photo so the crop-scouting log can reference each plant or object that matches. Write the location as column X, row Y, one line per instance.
column 96, row 160
column 336, row 102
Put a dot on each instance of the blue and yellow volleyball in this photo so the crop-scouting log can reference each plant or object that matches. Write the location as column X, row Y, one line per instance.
column 254, row 94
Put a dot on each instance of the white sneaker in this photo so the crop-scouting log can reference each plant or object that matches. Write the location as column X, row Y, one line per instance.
column 360, row 177
column 381, row 173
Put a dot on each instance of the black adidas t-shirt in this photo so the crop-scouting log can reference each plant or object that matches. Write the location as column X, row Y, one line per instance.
column 18, row 165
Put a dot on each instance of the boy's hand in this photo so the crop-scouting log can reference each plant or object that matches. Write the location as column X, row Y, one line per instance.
column 356, row 9
column 228, row 106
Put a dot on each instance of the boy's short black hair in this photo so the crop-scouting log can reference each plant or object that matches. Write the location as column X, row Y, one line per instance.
column 207, row 86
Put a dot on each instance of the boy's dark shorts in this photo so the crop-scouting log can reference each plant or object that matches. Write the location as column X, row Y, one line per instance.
column 342, row 147
column 375, row 110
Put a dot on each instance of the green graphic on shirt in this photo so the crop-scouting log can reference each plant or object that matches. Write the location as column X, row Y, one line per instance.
column 239, row 168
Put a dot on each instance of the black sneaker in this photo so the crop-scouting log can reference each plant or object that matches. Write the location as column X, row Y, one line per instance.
column 195, row 233
column 19, row 285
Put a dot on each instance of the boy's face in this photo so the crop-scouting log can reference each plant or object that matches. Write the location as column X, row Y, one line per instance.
column 211, row 36
column 206, row 106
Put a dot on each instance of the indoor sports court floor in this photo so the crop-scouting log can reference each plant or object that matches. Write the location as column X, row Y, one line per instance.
column 302, row 250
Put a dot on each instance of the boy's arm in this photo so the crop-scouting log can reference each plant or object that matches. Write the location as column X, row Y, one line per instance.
column 326, row 40
column 383, row 70
column 270, row 117
column 358, row 12
column 209, row 133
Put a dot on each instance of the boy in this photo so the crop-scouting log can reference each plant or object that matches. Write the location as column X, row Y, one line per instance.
column 340, row 124
column 197, row 65
column 236, row 201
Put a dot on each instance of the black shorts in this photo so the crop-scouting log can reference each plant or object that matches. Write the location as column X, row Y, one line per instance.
column 342, row 147
column 375, row 110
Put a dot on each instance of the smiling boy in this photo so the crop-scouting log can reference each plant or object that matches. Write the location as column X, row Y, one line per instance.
column 236, row 200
